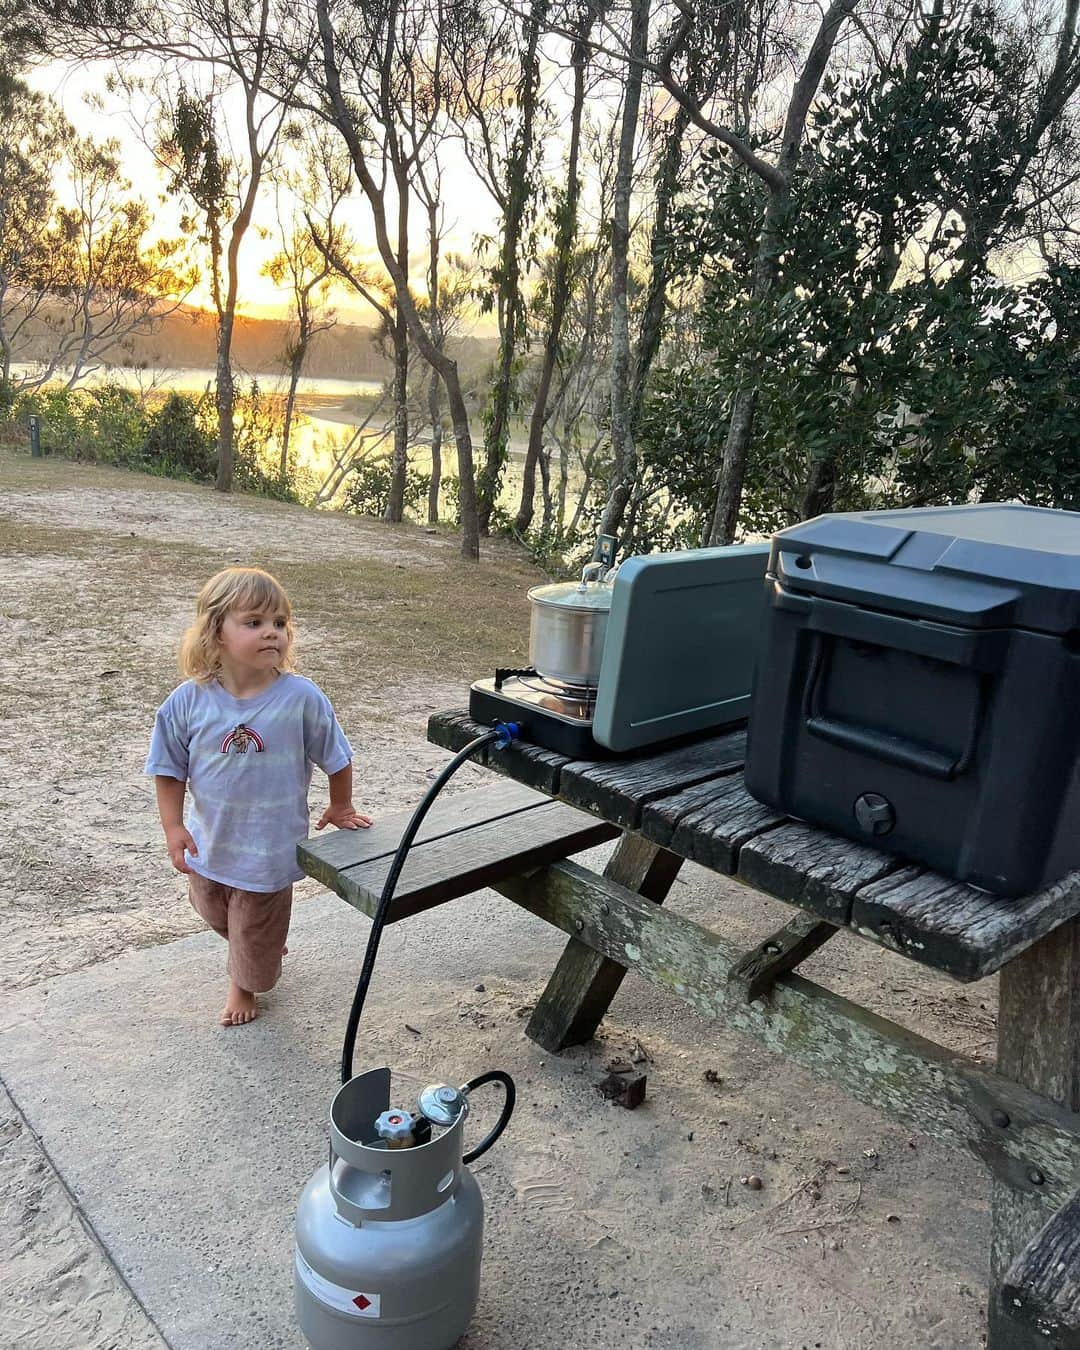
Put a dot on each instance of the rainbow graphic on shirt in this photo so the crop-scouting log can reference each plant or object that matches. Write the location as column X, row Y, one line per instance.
column 240, row 738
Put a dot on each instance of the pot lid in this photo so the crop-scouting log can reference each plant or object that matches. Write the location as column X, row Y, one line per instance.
column 574, row 595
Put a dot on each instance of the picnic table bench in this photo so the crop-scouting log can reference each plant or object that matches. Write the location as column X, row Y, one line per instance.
column 689, row 802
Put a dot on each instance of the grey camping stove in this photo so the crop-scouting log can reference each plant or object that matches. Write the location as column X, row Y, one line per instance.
column 678, row 659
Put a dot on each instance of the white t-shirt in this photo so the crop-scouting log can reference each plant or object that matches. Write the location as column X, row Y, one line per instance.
column 247, row 763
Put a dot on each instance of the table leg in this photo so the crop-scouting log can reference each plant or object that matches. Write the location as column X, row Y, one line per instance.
column 1039, row 1046
column 581, row 989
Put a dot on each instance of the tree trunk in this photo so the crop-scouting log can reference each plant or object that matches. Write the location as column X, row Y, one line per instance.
column 395, row 502
column 652, row 319
column 227, row 313
column 296, row 364
column 624, row 455
column 395, row 505
column 345, row 122
column 435, row 416
column 565, row 234
column 224, row 401
column 732, row 474
column 519, row 194
column 820, row 495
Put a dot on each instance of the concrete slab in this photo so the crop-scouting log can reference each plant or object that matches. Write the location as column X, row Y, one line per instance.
column 187, row 1146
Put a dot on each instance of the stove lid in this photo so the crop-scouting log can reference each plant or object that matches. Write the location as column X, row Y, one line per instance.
column 986, row 566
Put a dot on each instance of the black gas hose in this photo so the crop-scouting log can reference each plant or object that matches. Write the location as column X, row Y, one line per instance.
column 492, row 1076
column 503, row 734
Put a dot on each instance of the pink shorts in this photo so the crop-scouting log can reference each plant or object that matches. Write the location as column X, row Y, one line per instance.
column 254, row 923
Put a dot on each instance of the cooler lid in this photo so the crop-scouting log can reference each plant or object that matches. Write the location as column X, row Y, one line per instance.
column 991, row 565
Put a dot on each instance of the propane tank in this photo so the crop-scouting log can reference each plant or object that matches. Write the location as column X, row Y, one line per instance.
column 389, row 1232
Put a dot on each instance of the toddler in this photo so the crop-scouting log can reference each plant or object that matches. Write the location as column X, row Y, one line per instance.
column 239, row 737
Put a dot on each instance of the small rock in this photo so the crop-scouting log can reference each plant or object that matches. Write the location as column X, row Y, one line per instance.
column 479, row 988
column 754, row 1183
column 690, row 1137
column 869, row 1153
column 711, row 1076
column 843, row 1171
column 892, row 1218
column 628, row 1092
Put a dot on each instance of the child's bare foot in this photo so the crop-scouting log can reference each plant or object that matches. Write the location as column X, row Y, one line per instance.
column 240, row 1007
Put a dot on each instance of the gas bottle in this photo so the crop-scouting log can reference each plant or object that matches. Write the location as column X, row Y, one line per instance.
column 389, row 1232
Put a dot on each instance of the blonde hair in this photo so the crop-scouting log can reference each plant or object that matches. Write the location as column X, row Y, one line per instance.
column 199, row 657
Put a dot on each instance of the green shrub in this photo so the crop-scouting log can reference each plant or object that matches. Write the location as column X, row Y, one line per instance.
column 179, row 443
column 369, row 489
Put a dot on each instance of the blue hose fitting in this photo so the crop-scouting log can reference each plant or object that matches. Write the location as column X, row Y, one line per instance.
column 507, row 731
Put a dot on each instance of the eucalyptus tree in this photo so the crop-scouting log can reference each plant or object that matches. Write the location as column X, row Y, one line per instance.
column 213, row 65
column 303, row 266
column 624, row 454
column 558, row 283
column 451, row 283
column 80, row 277
column 497, row 55
column 33, row 136
column 352, row 84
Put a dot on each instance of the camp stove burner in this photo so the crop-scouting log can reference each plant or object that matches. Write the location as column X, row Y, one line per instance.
column 549, row 712
column 583, row 694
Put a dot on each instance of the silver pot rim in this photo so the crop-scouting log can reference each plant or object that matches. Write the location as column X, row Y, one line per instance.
column 569, row 595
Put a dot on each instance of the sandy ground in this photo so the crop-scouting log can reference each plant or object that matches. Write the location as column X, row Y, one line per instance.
column 97, row 572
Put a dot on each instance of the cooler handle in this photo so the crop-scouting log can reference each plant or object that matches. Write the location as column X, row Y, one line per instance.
column 907, row 754
column 983, row 650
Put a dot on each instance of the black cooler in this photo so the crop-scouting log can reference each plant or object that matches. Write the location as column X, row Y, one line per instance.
column 918, row 687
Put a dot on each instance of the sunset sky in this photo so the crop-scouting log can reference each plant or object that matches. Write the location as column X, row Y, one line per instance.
column 469, row 211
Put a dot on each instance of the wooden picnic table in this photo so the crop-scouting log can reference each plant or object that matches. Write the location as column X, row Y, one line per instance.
column 689, row 803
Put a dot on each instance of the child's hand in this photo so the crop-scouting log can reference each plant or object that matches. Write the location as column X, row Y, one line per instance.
column 177, row 840
column 344, row 817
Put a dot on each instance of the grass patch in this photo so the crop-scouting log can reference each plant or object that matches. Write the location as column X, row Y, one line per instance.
column 380, row 619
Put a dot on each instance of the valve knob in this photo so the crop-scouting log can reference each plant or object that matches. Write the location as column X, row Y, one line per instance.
column 396, row 1128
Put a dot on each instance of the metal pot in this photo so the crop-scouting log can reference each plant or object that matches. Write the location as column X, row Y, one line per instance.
column 568, row 624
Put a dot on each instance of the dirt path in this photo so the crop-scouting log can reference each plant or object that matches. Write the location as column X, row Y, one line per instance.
column 97, row 574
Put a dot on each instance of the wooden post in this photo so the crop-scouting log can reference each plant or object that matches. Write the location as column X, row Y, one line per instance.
column 1038, row 1046
column 580, row 991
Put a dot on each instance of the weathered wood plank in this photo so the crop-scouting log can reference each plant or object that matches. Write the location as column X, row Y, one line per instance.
column 528, row 764
column 941, row 1092
column 754, row 974
column 709, row 822
column 583, row 984
column 450, row 866
column 619, row 790
column 1038, row 1047
column 1041, row 1288
column 811, row 869
column 449, row 814
column 954, row 927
